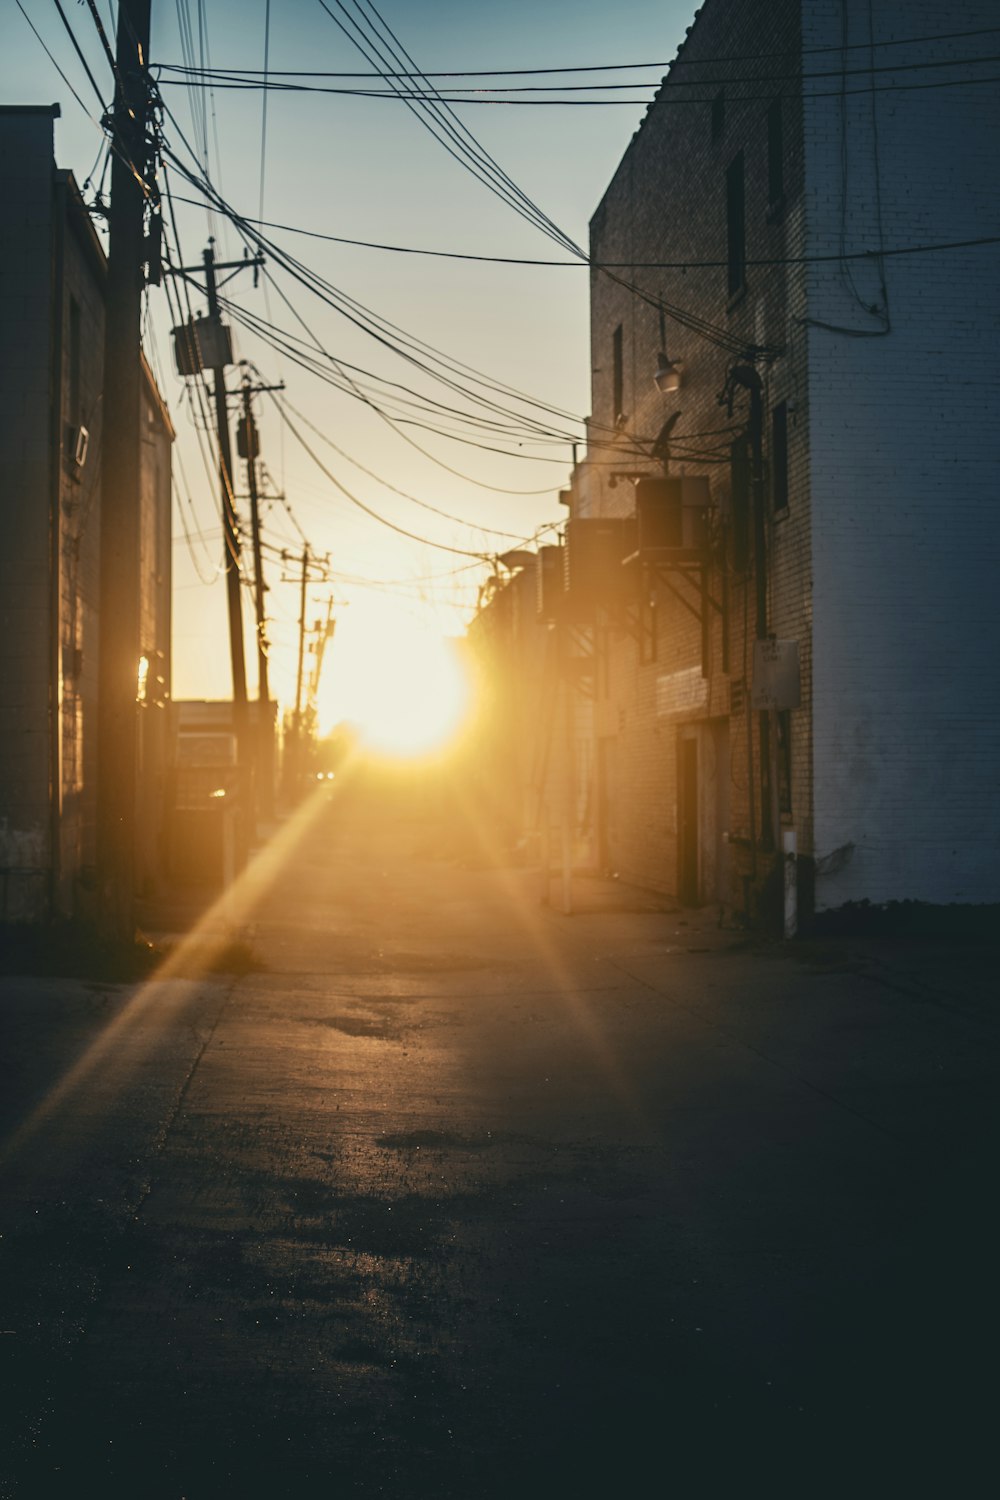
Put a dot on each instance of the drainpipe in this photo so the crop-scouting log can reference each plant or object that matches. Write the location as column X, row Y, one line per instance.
column 748, row 377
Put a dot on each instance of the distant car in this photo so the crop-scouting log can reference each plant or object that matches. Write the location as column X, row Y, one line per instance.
column 325, row 775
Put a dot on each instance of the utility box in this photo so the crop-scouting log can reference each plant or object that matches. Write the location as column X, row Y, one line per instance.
column 247, row 440
column 202, row 344
column 596, row 547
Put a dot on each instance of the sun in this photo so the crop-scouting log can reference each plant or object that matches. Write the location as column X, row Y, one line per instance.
column 404, row 687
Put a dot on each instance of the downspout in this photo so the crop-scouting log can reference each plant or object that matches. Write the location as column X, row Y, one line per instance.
column 55, row 548
column 746, row 376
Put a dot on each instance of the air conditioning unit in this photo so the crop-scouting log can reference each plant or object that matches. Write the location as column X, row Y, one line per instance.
column 659, row 514
column 672, row 514
column 81, row 442
column 596, row 547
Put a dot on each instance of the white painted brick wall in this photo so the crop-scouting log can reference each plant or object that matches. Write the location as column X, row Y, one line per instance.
column 904, row 438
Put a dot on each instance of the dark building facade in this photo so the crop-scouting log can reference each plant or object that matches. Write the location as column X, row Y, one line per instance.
column 52, row 279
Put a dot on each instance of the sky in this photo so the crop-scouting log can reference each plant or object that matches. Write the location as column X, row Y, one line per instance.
column 364, row 168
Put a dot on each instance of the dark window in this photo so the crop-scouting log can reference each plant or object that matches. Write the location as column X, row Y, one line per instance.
column 718, row 115
column 74, row 362
column 783, row 722
column 779, row 457
column 735, row 224
column 739, row 480
column 618, row 394
column 775, row 156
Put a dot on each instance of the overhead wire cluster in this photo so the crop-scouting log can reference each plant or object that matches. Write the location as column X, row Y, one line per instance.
column 473, row 407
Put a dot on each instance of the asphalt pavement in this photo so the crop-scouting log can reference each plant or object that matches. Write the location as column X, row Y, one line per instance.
column 393, row 1181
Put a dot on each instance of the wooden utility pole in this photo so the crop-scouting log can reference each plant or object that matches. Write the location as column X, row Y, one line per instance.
column 120, row 482
column 297, row 761
column 311, row 569
column 265, row 726
column 323, row 632
column 205, row 345
column 230, row 531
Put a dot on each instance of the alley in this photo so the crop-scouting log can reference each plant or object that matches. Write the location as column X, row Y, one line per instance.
column 439, row 1192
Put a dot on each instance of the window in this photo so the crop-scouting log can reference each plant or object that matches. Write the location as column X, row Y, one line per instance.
column 775, row 157
column 618, row 394
column 736, row 225
column 779, row 457
column 718, row 115
column 739, row 481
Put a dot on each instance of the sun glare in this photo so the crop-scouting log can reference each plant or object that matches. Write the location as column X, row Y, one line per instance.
column 411, row 693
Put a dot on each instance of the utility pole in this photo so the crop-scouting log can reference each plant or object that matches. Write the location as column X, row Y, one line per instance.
column 294, row 758
column 323, row 631
column 204, row 344
column 297, row 760
column 249, row 447
column 230, row 531
column 121, row 446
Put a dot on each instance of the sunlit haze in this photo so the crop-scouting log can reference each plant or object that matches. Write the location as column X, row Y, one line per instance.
column 404, row 688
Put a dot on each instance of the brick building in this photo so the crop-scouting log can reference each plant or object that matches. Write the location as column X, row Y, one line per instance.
column 52, row 279
column 807, row 641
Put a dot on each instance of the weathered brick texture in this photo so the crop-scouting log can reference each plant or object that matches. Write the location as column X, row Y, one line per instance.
column 882, row 564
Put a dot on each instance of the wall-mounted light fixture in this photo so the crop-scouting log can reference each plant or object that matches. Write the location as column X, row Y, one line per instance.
column 667, row 375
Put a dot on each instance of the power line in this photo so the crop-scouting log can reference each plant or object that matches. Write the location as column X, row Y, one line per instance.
column 238, row 78
column 263, row 108
column 720, row 337
column 491, row 95
column 425, row 404
column 58, row 69
column 941, row 36
column 450, row 131
column 382, row 520
column 390, row 335
column 78, row 49
column 404, row 494
column 619, row 265
column 108, row 49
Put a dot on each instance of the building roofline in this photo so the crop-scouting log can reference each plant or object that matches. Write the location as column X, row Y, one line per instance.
column 157, row 396
column 54, row 111
column 80, row 220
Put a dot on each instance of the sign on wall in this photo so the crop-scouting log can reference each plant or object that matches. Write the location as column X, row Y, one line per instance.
column 775, row 675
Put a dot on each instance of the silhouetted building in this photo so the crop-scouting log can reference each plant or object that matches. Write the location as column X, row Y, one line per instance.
column 520, row 744
column 794, row 400
column 52, row 280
